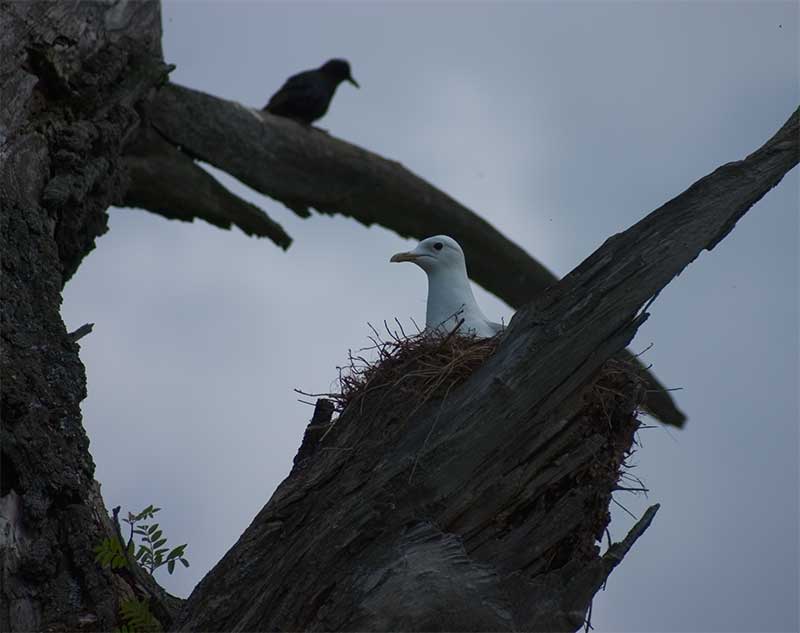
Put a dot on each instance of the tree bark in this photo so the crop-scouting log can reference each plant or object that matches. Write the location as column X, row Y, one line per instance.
column 73, row 74
column 496, row 530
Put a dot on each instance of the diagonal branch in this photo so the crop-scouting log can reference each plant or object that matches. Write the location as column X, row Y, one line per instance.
column 507, row 476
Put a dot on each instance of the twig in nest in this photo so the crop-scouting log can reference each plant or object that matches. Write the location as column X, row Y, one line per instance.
column 407, row 372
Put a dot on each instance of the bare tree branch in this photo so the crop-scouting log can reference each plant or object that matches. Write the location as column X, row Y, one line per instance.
column 82, row 331
column 166, row 181
column 306, row 168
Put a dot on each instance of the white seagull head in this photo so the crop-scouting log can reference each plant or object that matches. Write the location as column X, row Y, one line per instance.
column 435, row 254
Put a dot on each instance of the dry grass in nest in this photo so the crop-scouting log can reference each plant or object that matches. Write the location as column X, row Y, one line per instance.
column 407, row 371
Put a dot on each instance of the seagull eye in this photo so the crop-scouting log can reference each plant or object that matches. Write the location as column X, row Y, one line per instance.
column 438, row 246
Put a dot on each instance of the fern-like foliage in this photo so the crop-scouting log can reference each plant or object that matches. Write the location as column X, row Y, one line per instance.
column 137, row 618
column 152, row 552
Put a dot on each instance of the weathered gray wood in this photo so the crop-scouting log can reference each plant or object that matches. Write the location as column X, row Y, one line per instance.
column 321, row 552
column 72, row 76
column 304, row 168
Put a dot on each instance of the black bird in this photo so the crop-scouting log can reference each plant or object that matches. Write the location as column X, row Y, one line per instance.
column 305, row 97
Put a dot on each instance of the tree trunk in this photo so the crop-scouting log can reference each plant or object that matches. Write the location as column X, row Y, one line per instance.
column 73, row 74
column 479, row 511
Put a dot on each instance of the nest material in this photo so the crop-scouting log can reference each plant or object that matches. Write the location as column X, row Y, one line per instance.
column 409, row 370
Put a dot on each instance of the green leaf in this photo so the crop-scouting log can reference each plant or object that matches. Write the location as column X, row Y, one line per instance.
column 159, row 543
column 154, row 536
column 171, row 566
column 185, row 562
column 152, row 528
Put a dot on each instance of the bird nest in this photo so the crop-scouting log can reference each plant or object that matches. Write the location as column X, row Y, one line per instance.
column 407, row 371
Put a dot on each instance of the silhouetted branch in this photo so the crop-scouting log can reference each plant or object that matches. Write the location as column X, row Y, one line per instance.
column 306, row 168
column 166, row 181
column 82, row 331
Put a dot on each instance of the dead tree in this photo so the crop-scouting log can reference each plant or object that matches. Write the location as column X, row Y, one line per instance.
column 491, row 533
column 496, row 530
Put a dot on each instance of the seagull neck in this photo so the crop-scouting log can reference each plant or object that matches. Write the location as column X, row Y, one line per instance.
column 449, row 292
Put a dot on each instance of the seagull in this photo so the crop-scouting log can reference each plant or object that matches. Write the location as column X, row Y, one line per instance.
column 305, row 97
column 450, row 298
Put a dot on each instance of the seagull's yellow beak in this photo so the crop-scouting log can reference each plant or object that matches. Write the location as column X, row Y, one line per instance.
column 410, row 256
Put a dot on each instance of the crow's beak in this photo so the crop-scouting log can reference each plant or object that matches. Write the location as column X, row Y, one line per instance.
column 404, row 257
column 353, row 81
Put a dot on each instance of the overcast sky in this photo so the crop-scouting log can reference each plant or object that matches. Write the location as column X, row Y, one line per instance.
column 561, row 124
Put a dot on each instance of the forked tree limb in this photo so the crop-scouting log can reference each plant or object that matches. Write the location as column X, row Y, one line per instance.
column 304, row 168
column 166, row 181
column 350, row 530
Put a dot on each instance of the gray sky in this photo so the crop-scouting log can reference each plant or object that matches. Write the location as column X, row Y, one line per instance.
column 561, row 124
